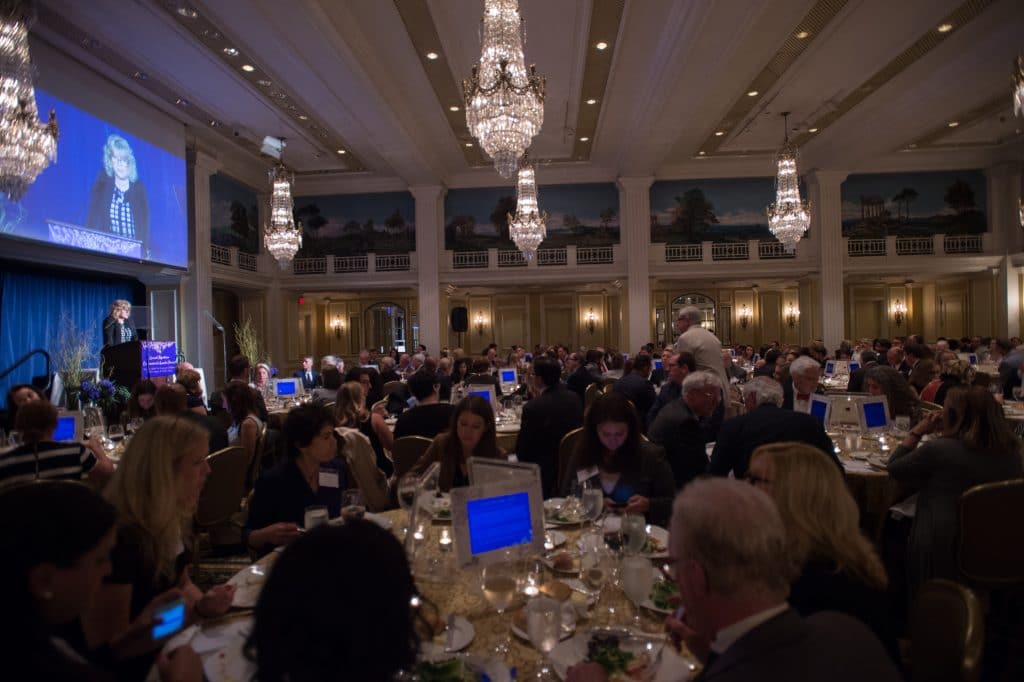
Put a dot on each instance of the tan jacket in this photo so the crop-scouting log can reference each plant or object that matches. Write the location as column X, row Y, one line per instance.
column 362, row 466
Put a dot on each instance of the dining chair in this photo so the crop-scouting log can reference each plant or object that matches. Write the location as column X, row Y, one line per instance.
column 565, row 449
column 379, row 404
column 990, row 552
column 947, row 633
column 362, row 466
column 391, row 386
column 593, row 390
column 222, row 493
column 927, row 406
column 406, row 451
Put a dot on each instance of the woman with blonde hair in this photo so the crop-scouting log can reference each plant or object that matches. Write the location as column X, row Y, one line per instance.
column 117, row 328
column 155, row 491
column 839, row 568
column 350, row 407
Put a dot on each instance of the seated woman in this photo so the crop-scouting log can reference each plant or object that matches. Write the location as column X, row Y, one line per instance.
column 955, row 372
column 975, row 445
column 40, row 457
column 882, row 380
column 924, row 372
column 350, row 408
column 839, row 568
column 195, row 400
column 633, row 472
column 140, row 402
column 155, row 491
column 246, row 427
column 330, row 382
column 369, row 379
column 18, row 395
column 310, row 475
column 261, row 378
column 471, row 434
column 324, row 616
column 56, row 539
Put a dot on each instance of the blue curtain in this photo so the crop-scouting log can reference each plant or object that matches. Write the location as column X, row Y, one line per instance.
column 31, row 306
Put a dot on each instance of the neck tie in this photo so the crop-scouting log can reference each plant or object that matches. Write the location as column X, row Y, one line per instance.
column 309, row 376
column 803, row 396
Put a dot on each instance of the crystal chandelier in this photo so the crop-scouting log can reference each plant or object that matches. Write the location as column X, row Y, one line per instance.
column 1018, row 87
column 504, row 103
column 27, row 147
column 527, row 227
column 282, row 237
column 788, row 217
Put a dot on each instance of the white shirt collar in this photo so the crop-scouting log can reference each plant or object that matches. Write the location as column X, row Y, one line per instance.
column 730, row 634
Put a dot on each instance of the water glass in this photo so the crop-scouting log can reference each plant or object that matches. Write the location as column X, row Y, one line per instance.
column 498, row 582
column 593, row 501
column 135, row 424
column 637, row 581
column 314, row 516
column 544, row 627
column 115, row 432
column 352, row 507
column 634, row 533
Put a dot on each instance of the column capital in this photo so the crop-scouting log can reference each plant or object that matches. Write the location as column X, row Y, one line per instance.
column 428, row 192
column 1004, row 168
column 203, row 161
column 635, row 182
column 826, row 177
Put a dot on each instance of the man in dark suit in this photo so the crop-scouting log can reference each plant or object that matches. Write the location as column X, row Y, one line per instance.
column 735, row 583
column 678, row 427
column 552, row 413
column 430, row 416
column 310, row 377
column 585, row 373
column 868, row 359
column 677, row 366
column 636, row 387
column 765, row 422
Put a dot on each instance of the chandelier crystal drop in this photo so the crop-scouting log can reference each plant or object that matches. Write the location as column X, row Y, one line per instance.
column 527, row 227
column 283, row 237
column 1018, row 87
column 27, row 147
column 504, row 102
column 789, row 217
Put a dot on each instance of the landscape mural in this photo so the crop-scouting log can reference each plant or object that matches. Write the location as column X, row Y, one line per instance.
column 356, row 224
column 582, row 215
column 717, row 210
column 234, row 214
column 914, row 204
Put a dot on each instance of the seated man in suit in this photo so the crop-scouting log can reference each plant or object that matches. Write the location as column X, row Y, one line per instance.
column 679, row 430
column 868, row 359
column 765, row 422
column 805, row 373
column 636, row 386
column 677, row 366
column 430, row 416
column 553, row 412
column 310, row 377
column 735, row 585
column 482, row 375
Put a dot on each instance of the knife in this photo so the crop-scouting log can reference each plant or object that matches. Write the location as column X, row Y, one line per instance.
column 449, row 638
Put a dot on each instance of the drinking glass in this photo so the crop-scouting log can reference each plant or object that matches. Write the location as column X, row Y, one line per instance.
column 314, row 516
column 544, row 625
column 352, row 507
column 634, row 533
column 114, row 431
column 407, row 494
column 14, row 439
column 637, row 581
column 135, row 424
column 1017, row 392
column 498, row 582
column 593, row 502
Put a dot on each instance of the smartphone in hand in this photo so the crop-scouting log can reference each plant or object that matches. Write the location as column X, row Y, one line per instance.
column 169, row 618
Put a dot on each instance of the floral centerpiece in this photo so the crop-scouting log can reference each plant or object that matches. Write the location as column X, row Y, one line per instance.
column 105, row 394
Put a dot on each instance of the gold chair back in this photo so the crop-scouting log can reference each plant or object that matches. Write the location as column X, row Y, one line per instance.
column 381, row 404
column 406, row 451
column 927, row 406
column 392, row 386
column 593, row 390
column 565, row 450
column 947, row 633
column 225, row 486
column 991, row 543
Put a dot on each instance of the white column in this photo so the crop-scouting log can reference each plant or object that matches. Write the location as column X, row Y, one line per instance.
column 197, row 286
column 635, row 231
column 827, row 239
column 429, row 248
column 1004, row 181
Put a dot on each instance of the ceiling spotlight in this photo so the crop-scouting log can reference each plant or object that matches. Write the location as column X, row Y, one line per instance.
column 303, row 117
column 187, row 12
column 214, row 123
column 812, row 130
column 141, row 75
column 912, row 145
column 753, row 93
column 432, row 56
column 584, row 139
column 453, row 108
column 469, row 144
column 591, row 101
column 702, row 152
column 248, row 68
column 719, row 133
column 230, row 51
column 264, row 83
column 802, row 34
column 181, row 102
column 945, row 28
column 953, row 124
column 601, row 45
column 341, row 151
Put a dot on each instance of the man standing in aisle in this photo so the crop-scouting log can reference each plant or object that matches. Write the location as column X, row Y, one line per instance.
column 705, row 346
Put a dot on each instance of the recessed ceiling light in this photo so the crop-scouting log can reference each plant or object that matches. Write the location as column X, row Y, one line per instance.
column 584, row 139
column 214, row 123
column 469, row 144
column 141, row 75
column 341, row 151
column 263, row 82
column 912, row 145
column 753, row 93
column 453, row 108
column 802, row 34
column 945, row 28
column 248, row 68
column 303, row 117
column 601, row 45
column 432, row 55
column 953, row 124
column 187, row 12
column 181, row 102
column 812, row 130
column 230, row 51
column 702, row 152
column 719, row 133
column 591, row 101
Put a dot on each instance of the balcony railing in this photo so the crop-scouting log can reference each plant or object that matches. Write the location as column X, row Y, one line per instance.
column 773, row 250
column 511, row 258
column 393, row 262
column 962, row 243
column 546, row 257
column 676, row 253
column 220, row 255
column 595, row 255
column 730, row 251
column 310, row 266
column 246, row 261
column 915, row 246
column 344, row 264
column 462, row 260
column 856, row 248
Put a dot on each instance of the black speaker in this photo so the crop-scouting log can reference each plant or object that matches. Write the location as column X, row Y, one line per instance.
column 460, row 319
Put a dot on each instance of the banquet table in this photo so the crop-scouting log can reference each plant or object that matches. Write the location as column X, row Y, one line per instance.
column 866, row 477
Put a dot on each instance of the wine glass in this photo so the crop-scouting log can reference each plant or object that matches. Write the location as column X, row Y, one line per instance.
column 115, row 432
column 593, row 502
column 352, row 507
column 135, row 424
column 498, row 582
column 407, row 494
column 544, row 626
column 634, row 533
column 637, row 581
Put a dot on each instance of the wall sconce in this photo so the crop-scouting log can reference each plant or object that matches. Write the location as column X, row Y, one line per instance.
column 337, row 325
column 745, row 315
column 591, row 321
column 899, row 312
column 792, row 315
column 479, row 322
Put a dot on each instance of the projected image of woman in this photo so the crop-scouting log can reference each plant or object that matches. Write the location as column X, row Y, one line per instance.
column 118, row 203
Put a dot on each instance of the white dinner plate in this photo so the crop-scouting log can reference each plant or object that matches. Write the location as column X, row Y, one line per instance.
column 648, row 603
column 573, row 650
column 507, row 428
column 658, row 535
column 494, row 668
column 554, row 538
column 248, row 584
column 463, row 636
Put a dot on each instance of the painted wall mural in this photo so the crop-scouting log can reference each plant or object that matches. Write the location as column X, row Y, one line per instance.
column 582, row 215
column 714, row 210
column 914, row 204
column 234, row 214
column 356, row 224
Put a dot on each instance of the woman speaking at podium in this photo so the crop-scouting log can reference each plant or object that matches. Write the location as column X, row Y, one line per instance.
column 117, row 328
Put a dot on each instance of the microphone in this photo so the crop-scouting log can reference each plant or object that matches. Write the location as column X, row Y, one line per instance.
column 217, row 325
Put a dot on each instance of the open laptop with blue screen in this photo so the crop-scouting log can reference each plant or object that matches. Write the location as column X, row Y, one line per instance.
column 491, row 519
column 485, row 391
column 970, row 358
column 821, row 409
column 658, row 364
column 69, row 427
column 830, row 368
column 509, row 381
column 287, row 388
column 854, row 366
column 873, row 413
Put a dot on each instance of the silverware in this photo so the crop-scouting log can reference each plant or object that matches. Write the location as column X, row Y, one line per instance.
column 449, row 637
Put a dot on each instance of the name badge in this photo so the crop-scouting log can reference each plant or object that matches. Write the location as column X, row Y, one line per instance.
column 586, row 474
column 329, row 479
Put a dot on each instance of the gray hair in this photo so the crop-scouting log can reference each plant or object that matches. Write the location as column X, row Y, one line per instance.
column 766, row 391
column 419, row 357
column 387, row 362
column 697, row 380
column 803, row 364
column 705, row 517
column 691, row 313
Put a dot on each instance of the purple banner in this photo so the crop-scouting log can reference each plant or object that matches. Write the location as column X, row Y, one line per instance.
column 159, row 358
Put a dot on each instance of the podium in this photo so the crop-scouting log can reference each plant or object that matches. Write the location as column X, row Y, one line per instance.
column 128, row 363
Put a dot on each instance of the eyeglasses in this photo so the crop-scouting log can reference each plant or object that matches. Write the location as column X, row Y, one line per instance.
column 754, row 479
